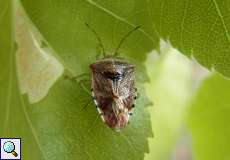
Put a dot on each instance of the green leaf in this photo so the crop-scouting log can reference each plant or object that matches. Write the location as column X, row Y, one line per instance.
column 197, row 28
column 62, row 24
column 208, row 119
column 7, row 60
column 15, row 121
column 58, row 126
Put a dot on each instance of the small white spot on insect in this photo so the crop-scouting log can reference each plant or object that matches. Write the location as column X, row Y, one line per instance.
column 92, row 93
column 102, row 117
column 99, row 110
column 128, row 115
column 94, row 100
column 101, row 114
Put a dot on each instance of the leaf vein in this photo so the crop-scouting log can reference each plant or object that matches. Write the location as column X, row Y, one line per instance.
column 222, row 20
column 183, row 21
column 210, row 31
column 118, row 18
column 151, row 17
column 32, row 128
column 10, row 77
column 89, row 155
column 4, row 11
column 130, row 143
column 161, row 15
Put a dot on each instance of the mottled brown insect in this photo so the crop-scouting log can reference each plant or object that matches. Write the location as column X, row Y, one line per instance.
column 113, row 87
column 113, row 90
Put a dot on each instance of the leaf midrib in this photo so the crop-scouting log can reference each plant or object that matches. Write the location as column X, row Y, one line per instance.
column 28, row 120
column 6, row 121
column 118, row 18
column 222, row 20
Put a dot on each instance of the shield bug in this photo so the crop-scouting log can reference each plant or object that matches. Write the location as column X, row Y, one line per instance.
column 113, row 86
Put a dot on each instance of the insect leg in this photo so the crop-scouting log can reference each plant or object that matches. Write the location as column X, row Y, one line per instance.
column 80, row 79
column 86, row 90
column 102, row 117
column 83, row 75
column 81, row 83
column 68, row 75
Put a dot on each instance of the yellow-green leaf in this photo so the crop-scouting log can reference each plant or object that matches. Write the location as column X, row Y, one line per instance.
column 208, row 119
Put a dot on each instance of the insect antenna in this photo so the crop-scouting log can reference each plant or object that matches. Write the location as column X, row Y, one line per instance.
column 98, row 38
column 124, row 38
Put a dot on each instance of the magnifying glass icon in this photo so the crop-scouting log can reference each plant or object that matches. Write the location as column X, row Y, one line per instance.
column 9, row 147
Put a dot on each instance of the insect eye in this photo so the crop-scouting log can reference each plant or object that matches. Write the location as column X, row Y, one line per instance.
column 114, row 76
